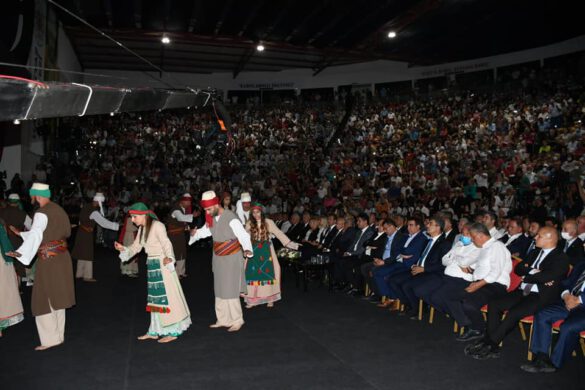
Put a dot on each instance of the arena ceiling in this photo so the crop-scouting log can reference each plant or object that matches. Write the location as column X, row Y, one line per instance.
column 222, row 35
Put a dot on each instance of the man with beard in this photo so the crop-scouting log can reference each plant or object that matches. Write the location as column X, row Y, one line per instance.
column 53, row 291
column 243, row 207
column 177, row 222
column 230, row 239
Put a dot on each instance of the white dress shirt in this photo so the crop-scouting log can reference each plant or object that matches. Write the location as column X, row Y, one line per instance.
column 103, row 222
column 32, row 239
column 495, row 233
column 410, row 238
column 494, row 263
column 180, row 216
column 241, row 234
column 460, row 256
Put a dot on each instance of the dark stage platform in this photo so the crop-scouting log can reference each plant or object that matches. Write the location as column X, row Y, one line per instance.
column 313, row 340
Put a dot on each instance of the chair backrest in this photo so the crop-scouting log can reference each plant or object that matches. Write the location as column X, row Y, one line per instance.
column 515, row 280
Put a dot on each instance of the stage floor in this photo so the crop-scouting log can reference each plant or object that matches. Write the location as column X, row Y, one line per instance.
column 313, row 340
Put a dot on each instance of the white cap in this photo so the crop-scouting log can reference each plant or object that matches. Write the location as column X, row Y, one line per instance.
column 14, row 197
column 186, row 195
column 245, row 197
column 99, row 197
column 40, row 186
column 208, row 195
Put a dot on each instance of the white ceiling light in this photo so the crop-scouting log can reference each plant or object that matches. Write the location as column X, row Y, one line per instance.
column 166, row 40
column 392, row 34
column 260, row 47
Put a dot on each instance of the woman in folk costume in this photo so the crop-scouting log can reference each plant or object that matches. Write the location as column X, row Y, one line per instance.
column 53, row 290
column 263, row 269
column 231, row 243
column 169, row 314
column 11, row 312
column 126, row 238
column 83, row 249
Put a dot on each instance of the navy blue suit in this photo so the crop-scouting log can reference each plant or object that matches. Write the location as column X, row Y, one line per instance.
column 381, row 274
column 408, row 288
column 573, row 325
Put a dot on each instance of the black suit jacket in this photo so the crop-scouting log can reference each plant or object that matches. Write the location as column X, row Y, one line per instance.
column 329, row 237
column 342, row 242
column 377, row 243
column 519, row 245
column 434, row 260
column 554, row 268
column 574, row 251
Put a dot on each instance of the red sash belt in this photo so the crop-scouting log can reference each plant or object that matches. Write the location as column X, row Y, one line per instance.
column 226, row 248
column 52, row 249
column 87, row 229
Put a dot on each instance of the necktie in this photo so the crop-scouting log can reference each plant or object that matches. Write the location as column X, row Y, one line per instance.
column 579, row 285
column 528, row 286
column 358, row 241
column 531, row 247
column 421, row 261
column 387, row 249
column 566, row 246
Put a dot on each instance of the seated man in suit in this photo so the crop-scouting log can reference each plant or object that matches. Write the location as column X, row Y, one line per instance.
column 373, row 245
column 352, row 256
column 388, row 246
column 515, row 240
column 409, row 254
column 426, row 274
column 340, row 245
column 542, row 274
column 450, row 231
column 296, row 227
column 571, row 243
column 571, row 309
column 464, row 299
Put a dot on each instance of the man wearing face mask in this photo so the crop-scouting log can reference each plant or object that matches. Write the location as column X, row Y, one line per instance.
column 458, row 261
column 571, row 244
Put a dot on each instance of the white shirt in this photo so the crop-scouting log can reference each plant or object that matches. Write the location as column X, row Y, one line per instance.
column 535, row 267
column 241, row 234
column 494, row 263
column 285, row 226
column 460, row 256
column 32, row 239
column 495, row 233
column 512, row 238
column 103, row 222
column 181, row 216
column 582, row 236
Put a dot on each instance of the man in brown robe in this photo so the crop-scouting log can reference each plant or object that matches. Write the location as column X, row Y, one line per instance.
column 53, row 291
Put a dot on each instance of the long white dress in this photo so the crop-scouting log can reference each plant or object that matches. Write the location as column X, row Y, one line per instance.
column 11, row 311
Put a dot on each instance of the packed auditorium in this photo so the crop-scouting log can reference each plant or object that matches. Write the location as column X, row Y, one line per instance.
column 376, row 194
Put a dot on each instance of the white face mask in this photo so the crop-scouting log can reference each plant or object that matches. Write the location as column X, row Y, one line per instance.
column 566, row 236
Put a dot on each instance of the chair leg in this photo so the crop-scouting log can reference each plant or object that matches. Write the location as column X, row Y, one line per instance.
column 583, row 344
column 420, row 309
column 455, row 327
column 530, row 342
column 431, row 314
column 367, row 290
column 522, row 332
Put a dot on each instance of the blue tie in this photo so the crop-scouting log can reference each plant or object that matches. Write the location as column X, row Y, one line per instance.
column 421, row 261
column 388, row 248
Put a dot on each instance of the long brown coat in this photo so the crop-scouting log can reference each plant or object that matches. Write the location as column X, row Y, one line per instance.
column 54, row 276
column 176, row 232
column 83, row 248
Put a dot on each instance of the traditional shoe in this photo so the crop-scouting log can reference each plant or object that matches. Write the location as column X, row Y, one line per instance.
column 167, row 339
column 386, row 303
column 235, row 328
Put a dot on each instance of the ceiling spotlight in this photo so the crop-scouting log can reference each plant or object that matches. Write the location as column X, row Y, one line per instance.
column 16, row 122
column 260, row 47
column 166, row 40
column 392, row 34
column 111, row 114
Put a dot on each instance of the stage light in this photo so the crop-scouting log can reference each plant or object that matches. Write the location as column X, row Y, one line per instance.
column 16, row 122
column 166, row 40
column 111, row 114
column 260, row 47
column 392, row 34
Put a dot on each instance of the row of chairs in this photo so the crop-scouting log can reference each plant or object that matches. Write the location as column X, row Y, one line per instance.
column 515, row 282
